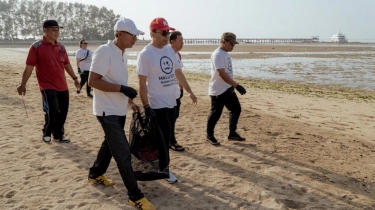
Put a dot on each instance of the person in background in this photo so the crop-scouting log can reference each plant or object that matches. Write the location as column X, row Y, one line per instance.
column 221, row 90
column 157, row 71
column 50, row 59
column 177, row 42
column 84, row 58
column 109, row 78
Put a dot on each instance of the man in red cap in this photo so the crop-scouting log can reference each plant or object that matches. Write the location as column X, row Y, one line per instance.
column 157, row 71
column 51, row 61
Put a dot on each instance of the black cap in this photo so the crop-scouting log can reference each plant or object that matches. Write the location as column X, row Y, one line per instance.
column 51, row 23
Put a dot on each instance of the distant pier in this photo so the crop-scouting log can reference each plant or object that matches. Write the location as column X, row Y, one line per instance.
column 252, row 40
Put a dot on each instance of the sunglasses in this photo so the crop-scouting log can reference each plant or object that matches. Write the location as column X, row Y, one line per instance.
column 163, row 33
column 229, row 42
column 133, row 35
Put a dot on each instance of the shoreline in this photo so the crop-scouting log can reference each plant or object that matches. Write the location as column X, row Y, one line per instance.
column 292, row 87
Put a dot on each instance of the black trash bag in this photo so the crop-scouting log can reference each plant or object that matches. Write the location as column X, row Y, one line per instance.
column 150, row 159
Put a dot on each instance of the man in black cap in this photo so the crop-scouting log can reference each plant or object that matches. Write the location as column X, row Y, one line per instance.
column 221, row 90
column 51, row 61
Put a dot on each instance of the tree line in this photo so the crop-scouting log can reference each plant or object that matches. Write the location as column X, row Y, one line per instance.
column 23, row 20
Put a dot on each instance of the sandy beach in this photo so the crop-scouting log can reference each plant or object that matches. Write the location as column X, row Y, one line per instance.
column 306, row 148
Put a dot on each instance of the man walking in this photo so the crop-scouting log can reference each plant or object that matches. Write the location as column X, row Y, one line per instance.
column 157, row 71
column 221, row 90
column 51, row 61
column 177, row 42
column 112, row 96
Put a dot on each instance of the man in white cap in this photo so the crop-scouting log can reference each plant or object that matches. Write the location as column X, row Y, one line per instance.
column 112, row 96
column 157, row 71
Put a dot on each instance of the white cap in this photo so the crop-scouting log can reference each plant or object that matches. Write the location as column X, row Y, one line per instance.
column 124, row 24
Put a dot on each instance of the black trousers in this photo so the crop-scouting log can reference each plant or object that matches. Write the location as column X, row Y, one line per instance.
column 165, row 118
column 55, row 107
column 230, row 101
column 116, row 145
column 84, row 79
column 176, row 114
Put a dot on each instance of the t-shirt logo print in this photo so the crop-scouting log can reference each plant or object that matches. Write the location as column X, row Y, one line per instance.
column 229, row 65
column 166, row 65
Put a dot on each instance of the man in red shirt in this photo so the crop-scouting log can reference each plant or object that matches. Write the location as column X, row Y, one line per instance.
column 50, row 59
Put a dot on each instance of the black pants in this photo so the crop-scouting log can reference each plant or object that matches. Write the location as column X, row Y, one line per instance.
column 176, row 114
column 84, row 79
column 55, row 107
column 115, row 144
column 230, row 101
column 165, row 118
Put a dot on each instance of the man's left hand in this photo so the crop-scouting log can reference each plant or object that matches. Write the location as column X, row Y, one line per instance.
column 194, row 99
column 76, row 83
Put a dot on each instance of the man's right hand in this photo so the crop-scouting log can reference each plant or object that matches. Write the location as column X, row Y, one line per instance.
column 128, row 91
column 80, row 71
column 150, row 113
column 21, row 90
column 241, row 89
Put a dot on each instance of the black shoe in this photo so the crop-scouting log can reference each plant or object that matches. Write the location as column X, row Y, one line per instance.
column 90, row 95
column 212, row 140
column 235, row 137
column 62, row 140
column 78, row 91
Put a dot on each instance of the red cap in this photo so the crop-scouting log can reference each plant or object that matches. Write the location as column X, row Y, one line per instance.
column 161, row 24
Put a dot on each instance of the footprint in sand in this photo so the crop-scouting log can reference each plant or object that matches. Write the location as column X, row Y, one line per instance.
column 10, row 194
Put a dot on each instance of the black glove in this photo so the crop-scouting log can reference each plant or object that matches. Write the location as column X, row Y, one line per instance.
column 128, row 91
column 80, row 71
column 241, row 89
column 150, row 113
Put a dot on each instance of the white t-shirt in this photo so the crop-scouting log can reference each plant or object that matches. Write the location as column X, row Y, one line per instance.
column 85, row 64
column 178, row 93
column 112, row 64
column 159, row 66
column 219, row 60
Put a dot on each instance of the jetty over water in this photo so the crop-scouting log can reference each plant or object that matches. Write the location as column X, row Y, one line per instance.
column 252, row 40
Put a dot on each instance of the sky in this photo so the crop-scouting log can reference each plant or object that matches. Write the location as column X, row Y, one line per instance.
column 252, row 18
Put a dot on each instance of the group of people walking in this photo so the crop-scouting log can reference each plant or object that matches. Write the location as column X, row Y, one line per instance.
column 161, row 85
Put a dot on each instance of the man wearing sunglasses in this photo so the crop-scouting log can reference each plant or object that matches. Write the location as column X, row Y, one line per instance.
column 157, row 71
column 50, row 59
column 221, row 90
column 112, row 96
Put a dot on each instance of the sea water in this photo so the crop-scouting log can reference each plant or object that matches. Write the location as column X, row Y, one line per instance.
column 355, row 72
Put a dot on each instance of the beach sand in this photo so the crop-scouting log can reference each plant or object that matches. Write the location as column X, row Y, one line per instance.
column 303, row 151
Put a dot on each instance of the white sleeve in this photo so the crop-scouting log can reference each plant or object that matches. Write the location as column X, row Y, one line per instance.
column 219, row 61
column 78, row 54
column 100, row 61
column 143, row 65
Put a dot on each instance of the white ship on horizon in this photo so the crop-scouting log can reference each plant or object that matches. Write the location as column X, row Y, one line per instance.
column 339, row 37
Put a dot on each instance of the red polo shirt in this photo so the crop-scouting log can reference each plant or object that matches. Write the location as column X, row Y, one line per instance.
column 49, row 61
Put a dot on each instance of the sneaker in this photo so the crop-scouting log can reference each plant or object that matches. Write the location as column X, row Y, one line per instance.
column 46, row 138
column 235, row 137
column 62, row 140
column 102, row 180
column 212, row 140
column 90, row 95
column 172, row 179
column 142, row 204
